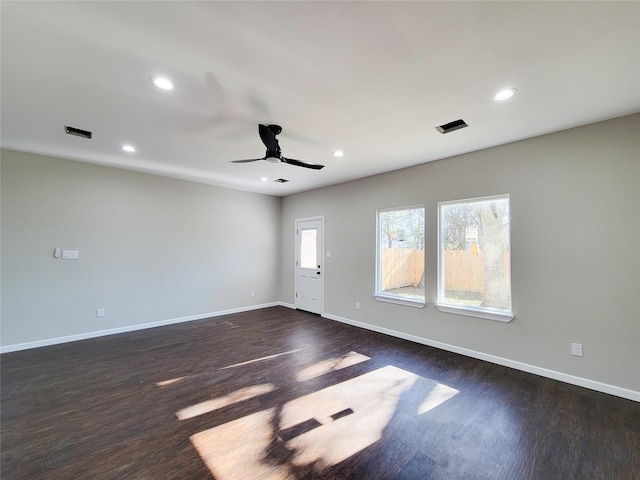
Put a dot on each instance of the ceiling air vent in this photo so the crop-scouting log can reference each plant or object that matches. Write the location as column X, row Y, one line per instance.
column 78, row 132
column 281, row 180
column 451, row 126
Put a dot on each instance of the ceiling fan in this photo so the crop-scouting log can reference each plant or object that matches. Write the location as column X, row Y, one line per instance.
column 274, row 155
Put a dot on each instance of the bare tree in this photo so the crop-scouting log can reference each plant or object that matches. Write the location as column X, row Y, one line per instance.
column 414, row 224
column 493, row 241
column 458, row 218
column 387, row 227
column 403, row 228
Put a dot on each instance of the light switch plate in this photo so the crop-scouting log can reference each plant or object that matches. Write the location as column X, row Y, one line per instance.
column 576, row 349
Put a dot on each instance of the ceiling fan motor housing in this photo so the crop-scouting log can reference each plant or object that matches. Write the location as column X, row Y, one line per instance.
column 276, row 129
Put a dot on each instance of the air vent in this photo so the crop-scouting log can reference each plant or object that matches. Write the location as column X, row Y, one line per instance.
column 452, row 126
column 281, row 180
column 78, row 132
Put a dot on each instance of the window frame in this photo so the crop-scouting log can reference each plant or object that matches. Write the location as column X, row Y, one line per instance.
column 396, row 299
column 472, row 311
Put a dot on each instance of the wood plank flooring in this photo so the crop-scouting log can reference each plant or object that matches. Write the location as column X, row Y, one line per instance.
column 283, row 394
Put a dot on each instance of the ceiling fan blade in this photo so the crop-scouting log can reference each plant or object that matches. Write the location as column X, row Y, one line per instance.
column 300, row 163
column 268, row 137
column 247, row 161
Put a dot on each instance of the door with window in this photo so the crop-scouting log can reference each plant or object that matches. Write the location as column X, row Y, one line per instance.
column 308, row 265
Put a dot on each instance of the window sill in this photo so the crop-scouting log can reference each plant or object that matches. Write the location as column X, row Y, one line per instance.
column 476, row 312
column 400, row 301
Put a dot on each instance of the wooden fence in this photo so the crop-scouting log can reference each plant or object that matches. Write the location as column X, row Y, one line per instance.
column 401, row 267
column 464, row 270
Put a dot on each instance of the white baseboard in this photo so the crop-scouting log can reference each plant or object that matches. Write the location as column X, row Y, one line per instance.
column 129, row 328
column 543, row 372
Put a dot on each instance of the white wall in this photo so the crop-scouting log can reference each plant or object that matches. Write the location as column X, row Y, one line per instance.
column 575, row 226
column 152, row 249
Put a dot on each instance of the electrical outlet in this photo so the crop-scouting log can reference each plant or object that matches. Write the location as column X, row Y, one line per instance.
column 99, row 312
column 576, row 349
column 357, row 305
column 253, row 293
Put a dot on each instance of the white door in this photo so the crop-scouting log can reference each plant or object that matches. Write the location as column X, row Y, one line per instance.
column 309, row 275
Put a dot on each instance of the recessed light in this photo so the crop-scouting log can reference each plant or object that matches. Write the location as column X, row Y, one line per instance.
column 162, row 82
column 264, row 179
column 505, row 94
column 129, row 148
column 338, row 153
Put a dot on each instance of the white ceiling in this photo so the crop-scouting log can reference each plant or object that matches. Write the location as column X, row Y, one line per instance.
column 371, row 78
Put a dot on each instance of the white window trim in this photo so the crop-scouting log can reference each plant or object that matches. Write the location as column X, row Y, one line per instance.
column 400, row 300
column 381, row 297
column 469, row 311
column 476, row 312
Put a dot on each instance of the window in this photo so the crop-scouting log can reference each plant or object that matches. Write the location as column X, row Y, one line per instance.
column 400, row 256
column 474, row 264
column 308, row 248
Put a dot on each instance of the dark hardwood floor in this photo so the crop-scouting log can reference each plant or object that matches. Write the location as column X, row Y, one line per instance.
column 282, row 394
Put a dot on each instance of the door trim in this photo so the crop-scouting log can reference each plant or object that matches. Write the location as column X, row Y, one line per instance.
column 297, row 221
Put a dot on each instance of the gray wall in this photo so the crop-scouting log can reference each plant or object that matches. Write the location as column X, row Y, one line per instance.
column 151, row 248
column 575, row 227
column 154, row 249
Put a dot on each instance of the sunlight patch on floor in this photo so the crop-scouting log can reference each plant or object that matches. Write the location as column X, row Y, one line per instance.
column 214, row 404
column 372, row 397
column 172, row 381
column 236, row 449
column 164, row 383
column 330, row 365
column 268, row 357
column 439, row 394
column 316, row 430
